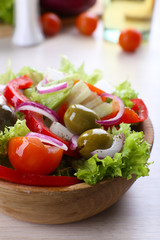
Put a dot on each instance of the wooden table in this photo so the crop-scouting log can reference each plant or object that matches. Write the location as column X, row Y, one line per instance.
column 137, row 214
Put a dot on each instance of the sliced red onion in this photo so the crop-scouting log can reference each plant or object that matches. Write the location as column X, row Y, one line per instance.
column 50, row 89
column 73, row 142
column 61, row 131
column 47, row 139
column 2, row 87
column 39, row 108
column 115, row 119
column 118, row 141
column 45, row 81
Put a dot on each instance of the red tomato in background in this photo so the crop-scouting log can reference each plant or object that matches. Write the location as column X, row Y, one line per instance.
column 130, row 40
column 30, row 155
column 51, row 24
column 86, row 23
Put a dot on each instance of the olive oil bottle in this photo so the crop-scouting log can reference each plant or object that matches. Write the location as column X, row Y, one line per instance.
column 124, row 14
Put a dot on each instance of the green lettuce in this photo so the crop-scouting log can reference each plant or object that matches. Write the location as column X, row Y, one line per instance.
column 94, row 169
column 28, row 71
column 8, row 75
column 125, row 92
column 68, row 67
column 51, row 100
column 135, row 154
column 31, row 73
column 19, row 129
column 131, row 160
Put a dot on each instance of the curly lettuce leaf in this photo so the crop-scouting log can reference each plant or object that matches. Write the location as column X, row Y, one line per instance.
column 94, row 169
column 68, row 67
column 125, row 92
column 135, row 154
column 123, row 128
column 131, row 160
column 19, row 129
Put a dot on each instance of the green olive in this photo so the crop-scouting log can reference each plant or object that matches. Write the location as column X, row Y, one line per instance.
column 78, row 119
column 93, row 139
column 7, row 116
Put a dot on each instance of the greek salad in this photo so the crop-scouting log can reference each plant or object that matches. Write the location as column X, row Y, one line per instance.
column 58, row 129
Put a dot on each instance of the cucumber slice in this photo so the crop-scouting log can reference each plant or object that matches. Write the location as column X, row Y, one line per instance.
column 103, row 109
column 92, row 101
column 79, row 93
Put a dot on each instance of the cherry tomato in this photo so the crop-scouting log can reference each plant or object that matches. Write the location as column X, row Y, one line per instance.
column 51, row 24
column 30, row 155
column 130, row 40
column 86, row 23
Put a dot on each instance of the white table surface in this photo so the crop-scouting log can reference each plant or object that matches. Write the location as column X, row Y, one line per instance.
column 137, row 214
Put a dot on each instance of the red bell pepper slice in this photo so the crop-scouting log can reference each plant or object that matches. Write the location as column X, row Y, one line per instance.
column 95, row 89
column 11, row 93
column 15, row 176
column 34, row 121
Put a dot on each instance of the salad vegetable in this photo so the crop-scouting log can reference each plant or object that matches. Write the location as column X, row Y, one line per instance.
column 44, row 159
column 15, row 176
column 71, row 131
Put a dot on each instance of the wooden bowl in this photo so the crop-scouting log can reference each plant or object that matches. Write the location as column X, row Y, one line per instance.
column 50, row 205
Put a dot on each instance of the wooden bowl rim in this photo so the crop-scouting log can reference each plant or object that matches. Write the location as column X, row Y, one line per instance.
column 146, row 126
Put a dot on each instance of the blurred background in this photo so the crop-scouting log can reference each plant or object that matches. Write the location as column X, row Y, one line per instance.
column 116, row 14
column 66, row 10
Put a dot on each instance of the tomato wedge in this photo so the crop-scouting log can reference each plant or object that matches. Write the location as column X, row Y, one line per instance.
column 140, row 107
column 137, row 114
